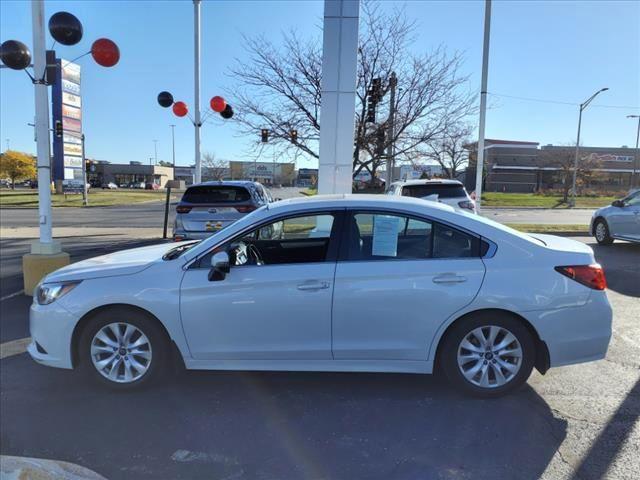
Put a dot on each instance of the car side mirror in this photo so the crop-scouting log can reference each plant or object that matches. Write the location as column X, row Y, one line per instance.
column 277, row 199
column 617, row 203
column 220, row 266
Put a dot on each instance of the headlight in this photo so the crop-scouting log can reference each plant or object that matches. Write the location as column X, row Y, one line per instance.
column 47, row 293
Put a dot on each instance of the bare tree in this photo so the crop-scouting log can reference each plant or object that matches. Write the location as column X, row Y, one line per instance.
column 214, row 168
column 279, row 88
column 449, row 150
column 562, row 163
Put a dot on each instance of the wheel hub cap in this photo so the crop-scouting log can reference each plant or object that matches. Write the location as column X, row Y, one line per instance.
column 121, row 352
column 489, row 356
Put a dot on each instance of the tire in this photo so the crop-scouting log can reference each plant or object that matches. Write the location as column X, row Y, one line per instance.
column 149, row 350
column 514, row 370
column 601, row 232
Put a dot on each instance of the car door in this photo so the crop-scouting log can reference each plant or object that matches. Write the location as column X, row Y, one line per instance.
column 275, row 308
column 398, row 278
column 624, row 221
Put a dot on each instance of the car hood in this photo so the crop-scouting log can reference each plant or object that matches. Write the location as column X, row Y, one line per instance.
column 125, row 262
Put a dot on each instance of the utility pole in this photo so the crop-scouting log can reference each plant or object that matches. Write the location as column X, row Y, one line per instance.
column 196, row 76
column 393, row 83
column 585, row 104
column 155, row 152
column 634, row 176
column 483, row 103
column 173, row 149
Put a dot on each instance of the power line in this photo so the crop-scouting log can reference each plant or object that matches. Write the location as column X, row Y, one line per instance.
column 558, row 102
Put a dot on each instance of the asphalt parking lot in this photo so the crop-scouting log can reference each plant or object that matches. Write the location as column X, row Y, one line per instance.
column 578, row 422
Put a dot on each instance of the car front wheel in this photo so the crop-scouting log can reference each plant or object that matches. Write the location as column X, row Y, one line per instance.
column 487, row 354
column 601, row 232
column 123, row 349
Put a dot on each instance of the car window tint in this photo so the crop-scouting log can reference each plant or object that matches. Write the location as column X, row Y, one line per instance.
column 451, row 243
column 216, row 194
column 443, row 190
column 382, row 236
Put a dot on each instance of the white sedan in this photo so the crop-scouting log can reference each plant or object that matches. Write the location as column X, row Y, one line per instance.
column 343, row 283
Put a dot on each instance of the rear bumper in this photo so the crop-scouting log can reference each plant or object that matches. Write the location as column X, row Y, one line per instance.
column 575, row 335
column 181, row 234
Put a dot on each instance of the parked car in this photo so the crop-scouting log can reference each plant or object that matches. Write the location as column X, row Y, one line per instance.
column 449, row 192
column 152, row 186
column 346, row 283
column 137, row 185
column 208, row 207
column 620, row 220
column 109, row 186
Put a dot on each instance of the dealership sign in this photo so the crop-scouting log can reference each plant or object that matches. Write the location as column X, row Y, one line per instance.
column 68, row 159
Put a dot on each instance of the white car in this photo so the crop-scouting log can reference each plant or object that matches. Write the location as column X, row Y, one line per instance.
column 349, row 283
column 109, row 186
column 449, row 192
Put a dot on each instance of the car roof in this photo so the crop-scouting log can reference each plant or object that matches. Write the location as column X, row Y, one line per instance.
column 226, row 183
column 436, row 181
column 355, row 200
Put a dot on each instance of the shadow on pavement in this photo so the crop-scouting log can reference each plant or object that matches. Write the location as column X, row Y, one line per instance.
column 621, row 263
column 277, row 425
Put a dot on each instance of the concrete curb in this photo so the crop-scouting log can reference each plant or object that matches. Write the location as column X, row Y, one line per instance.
column 25, row 468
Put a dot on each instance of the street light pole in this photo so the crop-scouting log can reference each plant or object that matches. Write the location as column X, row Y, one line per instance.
column 155, row 152
column 483, row 103
column 196, row 76
column 572, row 201
column 634, row 176
column 173, row 146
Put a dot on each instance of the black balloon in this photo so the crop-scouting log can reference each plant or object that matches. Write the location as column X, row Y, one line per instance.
column 165, row 99
column 227, row 112
column 15, row 55
column 65, row 28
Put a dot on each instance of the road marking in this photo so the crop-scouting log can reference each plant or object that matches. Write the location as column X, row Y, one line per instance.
column 14, row 347
column 11, row 295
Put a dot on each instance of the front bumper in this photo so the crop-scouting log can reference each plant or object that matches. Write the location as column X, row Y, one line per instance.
column 578, row 334
column 51, row 326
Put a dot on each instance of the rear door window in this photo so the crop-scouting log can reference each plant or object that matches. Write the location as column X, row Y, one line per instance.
column 443, row 190
column 216, row 194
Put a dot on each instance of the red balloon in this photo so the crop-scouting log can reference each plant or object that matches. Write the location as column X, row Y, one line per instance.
column 180, row 109
column 218, row 104
column 105, row 52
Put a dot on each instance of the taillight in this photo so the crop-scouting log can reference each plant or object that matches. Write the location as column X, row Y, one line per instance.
column 591, row 276
column 467, row 204
column 245, row 208
column 183, row 209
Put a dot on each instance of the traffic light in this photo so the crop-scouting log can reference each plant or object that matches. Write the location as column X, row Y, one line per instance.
column 58, row 128
column 264, row 133
column 380, row 139
column 294, row 135
column 374, row 95
column 371, row 110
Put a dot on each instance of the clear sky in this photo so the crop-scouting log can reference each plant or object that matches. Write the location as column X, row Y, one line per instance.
column 550, row 50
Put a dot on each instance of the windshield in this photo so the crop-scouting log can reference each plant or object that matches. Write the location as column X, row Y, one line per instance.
column 443, row 190
column 216, row 194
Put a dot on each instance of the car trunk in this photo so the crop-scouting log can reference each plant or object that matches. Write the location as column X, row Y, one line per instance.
column 213, row 207
column 210, row 218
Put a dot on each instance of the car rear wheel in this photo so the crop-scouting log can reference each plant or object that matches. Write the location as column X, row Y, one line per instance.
column 123, row 349
column 601, row 232
column 487, row 354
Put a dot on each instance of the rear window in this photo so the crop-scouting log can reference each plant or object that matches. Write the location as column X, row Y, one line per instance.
column 443, row 190
column 216, row 194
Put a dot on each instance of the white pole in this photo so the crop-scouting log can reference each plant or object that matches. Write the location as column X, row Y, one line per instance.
column 196, row 75
column 483, row 102
column 42, row 131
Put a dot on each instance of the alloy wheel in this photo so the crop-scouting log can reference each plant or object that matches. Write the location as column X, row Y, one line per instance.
column 121, row 352
column 489, row 356
column 601, row 232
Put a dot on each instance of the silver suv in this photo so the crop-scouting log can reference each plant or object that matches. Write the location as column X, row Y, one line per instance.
column 208, row 207
column 449, row 192
column 620, row 220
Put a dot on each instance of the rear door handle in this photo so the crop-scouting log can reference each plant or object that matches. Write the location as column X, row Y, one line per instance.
column 313, row 286
column 449, row 278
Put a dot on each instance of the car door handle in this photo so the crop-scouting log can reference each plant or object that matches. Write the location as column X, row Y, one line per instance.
column 313, row 286
column 449, row 278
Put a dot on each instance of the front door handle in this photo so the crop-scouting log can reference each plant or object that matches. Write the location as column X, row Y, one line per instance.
column 449, row 278
column 313, row 286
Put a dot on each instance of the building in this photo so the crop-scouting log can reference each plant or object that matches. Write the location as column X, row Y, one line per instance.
column 123, row 175
column 525, row 167
column 184, row 173
column 267, row 173
column 413, row 172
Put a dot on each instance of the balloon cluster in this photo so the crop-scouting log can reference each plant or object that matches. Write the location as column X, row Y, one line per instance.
column 180, row 109
column 65, row 29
